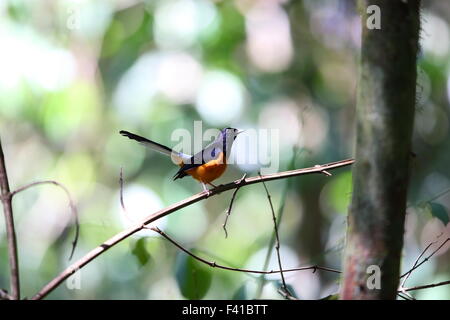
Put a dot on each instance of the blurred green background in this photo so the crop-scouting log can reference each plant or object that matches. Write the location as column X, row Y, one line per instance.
column 74, row 73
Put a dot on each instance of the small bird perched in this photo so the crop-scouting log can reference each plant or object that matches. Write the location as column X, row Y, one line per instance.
column 206, row 165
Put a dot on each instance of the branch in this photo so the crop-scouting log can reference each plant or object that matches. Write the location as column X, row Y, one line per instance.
column 228, row 212
column 287, row 186
column 284, row 293
column 417, row 265
column 175, row 207
column 6, row 198
column 427, row 286
column 408, row 274
column 402, row 289
column 72, row 206
column 284, row 289
column 213, row 264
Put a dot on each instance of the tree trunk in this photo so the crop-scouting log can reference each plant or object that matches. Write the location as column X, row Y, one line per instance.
column 385, row 115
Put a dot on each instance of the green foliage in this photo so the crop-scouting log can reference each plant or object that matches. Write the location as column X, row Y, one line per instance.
column 437, row 210
column 60, row 115
column 340, row 190
column 241, row 293
column 140, row 252
column 193, row 277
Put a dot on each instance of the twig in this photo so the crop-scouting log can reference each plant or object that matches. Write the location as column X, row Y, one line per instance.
column 286, row 189
column 72, row 206
column 403, row 296
column 6, row 198
column 286, row 294
column 277, row 241
column 438, row 195
column 407, row 274
column 427, row 286
column 213, row 264
column 228, row 212
column 417, row 265
column 175, row 207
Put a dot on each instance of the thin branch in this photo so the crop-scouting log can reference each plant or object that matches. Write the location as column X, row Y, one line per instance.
column 427, row 286
column 403, row 296
column 73, row 208
column 228, row 212
column 287, row 187
column 402, row 292
column 277, row 241
column 417, row 265
column 438, row 195
column 6, row 198
column 402, row 289
column 286, row 294
column 175, row 207
column 213, row 264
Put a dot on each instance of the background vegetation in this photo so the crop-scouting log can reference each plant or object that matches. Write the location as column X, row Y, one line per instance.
column 73, row 73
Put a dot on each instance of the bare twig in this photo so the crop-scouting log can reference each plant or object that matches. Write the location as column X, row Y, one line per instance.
column 402, row 293
column 72, row 206
column 417, row 265
column 286, row 294
column 325, row 172
column 228, row 212
column 403, row 296
column 215, row 265
column 286, row 189
column 175, row 207
column 6, row 198
column 440, row 194
column 402, row 289
column 427, row 286
column 277, row 241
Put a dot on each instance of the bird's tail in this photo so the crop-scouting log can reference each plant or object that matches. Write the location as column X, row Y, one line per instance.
column 177, row 157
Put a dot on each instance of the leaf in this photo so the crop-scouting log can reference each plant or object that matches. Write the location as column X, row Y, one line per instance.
column 193, row 277
column 439, row 211
column 340, row 189
column 140, row 252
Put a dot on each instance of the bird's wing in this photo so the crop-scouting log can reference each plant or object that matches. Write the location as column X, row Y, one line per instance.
column 211, row 152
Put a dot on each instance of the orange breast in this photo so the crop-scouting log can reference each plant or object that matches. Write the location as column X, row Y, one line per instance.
column 210, row 171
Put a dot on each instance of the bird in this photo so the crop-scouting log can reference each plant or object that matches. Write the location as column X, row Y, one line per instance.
column 204, row 166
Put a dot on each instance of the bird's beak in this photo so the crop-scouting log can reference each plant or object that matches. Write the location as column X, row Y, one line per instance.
column 239, row 132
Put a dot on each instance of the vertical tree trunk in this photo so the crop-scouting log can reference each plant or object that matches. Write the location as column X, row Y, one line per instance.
column 385, row 115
